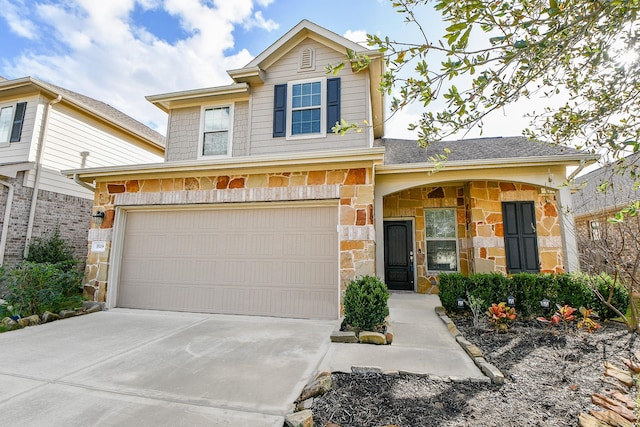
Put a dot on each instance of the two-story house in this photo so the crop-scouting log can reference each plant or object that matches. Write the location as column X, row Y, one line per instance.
column 260, row 209
column 44, row 129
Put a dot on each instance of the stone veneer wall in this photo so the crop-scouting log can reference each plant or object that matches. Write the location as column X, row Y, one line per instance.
column 354, row 191
column 480, row 229
column 71, row 214
column 485, row 199
column 411, row 203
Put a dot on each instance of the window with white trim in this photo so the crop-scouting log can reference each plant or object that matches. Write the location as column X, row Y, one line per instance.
column 6, row 122
column 216, row 131
column 306, row 113
column 441, row 239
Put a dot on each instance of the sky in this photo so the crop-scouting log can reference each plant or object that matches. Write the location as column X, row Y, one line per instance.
column 119, row 51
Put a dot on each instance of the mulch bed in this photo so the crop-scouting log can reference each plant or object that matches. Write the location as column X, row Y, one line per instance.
column 550, row 377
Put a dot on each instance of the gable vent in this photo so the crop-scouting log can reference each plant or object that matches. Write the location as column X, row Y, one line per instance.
column 307, row 59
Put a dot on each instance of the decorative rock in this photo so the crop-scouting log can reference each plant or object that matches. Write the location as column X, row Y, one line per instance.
column 88, row 304
column 492, row 372
column 389, row 335
column 316, row 388
column 366, row 370
column 299, row 419
column 9, row 323
column 473, row 351
column 306, row 404
column 344, row 336
column 93, row 309
column 453, row 329
column 33, row 320
column 23, row 322
column 483, row 380
column 619, row 374
column 64, row 314
column 440, row 311
column 48, row 316
column 367, row 337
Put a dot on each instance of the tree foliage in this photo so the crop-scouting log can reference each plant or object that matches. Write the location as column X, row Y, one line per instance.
column 494, row 53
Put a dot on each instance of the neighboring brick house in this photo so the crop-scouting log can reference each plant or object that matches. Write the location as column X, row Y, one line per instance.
column 260, row 209
column 604, row 245
column 44, row 129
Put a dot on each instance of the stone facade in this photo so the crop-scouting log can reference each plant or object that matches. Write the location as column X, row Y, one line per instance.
column 351, row 188
column 480, row 234
column 71, row 214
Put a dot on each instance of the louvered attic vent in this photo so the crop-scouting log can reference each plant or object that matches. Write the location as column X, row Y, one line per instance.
column 307, row 59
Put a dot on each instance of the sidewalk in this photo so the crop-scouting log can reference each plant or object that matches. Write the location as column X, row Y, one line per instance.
column 421, row 344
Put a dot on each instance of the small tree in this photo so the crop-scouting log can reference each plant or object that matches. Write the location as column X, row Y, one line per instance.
column 366, row 303
column 52, row 249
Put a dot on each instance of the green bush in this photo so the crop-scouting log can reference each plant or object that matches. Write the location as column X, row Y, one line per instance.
column 366, row 302
column 575, row 290
column 52, row 249
column 32, row 288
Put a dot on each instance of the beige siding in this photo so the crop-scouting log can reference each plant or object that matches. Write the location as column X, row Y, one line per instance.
column 355, row 104
column 240, row 129
column 237, row 261
column 20, row 151
column 69, row 134
column 182, row 135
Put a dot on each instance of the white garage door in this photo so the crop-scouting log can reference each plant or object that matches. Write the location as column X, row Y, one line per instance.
column 273, row 261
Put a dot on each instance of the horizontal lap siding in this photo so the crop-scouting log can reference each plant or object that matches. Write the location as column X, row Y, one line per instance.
column 354, row 104
column 265, row 261
column 19, row 151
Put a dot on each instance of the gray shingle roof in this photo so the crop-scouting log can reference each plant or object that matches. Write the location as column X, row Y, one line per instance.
column 618, row 178
column 399, row 151
column 112, row 113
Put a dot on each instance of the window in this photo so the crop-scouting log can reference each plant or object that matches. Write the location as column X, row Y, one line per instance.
column 440, row 239
column 306, row 108
column 594, row 230
column 216, row 131
column 6, row 119
column 10, row 123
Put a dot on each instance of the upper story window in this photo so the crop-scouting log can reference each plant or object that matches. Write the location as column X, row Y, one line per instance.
column 11, row 119
column 441, row 240
column 216, row 131
column 306, row 108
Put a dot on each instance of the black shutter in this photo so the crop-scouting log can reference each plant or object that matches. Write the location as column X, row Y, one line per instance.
column 333, row 102
column 18, row 119
column 280, row 111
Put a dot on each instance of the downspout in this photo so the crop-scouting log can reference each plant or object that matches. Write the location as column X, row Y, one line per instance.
column 78, row 181
column 7, row 218
column 577, row 171
column 36, row 183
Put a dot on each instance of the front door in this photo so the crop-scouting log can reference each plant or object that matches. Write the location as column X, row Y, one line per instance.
column 398, row 255
column 520, row 237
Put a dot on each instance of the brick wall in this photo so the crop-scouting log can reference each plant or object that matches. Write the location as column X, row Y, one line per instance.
column 71, row 214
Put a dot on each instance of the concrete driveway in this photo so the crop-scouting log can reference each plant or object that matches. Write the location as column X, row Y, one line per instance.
column 146, row 368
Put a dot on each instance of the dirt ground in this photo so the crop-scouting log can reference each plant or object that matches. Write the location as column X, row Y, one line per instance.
column 550, row 376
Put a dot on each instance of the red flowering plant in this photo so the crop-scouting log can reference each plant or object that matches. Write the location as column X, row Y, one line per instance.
column 501, row 316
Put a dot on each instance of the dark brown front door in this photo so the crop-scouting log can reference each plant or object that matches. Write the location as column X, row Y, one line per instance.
column 398, row 255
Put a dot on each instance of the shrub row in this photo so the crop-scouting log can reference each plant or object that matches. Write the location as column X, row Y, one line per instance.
column 574, row 289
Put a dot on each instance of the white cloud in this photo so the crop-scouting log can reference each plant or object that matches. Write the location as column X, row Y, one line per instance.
column 101, row 53
column 21, row 25
column 259, row 21
column 357, row 36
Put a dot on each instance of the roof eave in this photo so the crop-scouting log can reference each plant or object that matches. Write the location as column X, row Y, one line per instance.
column 568, row 160
column 167, row 101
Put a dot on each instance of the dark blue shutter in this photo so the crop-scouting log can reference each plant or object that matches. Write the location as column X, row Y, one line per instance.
column 333, row 102
column 280, row 111
column 18, row 119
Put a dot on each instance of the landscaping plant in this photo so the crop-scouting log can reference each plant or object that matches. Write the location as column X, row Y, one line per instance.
column 564, row 315
column 475, row 304
column 587, row 322
column 366, row 303
column 501, row 316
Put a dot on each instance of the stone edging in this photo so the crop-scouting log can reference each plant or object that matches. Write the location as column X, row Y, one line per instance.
column 23, row 322
column 496, row 376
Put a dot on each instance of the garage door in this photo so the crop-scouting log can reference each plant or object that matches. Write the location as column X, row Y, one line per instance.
column 273, row 261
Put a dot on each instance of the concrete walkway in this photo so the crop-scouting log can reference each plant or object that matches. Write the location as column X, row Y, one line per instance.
column 421, row 344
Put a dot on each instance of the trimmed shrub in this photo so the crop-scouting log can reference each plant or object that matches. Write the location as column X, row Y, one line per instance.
column 575, row 290
column 366, row 303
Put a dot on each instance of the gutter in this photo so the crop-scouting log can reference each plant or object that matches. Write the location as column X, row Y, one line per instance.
column 36, row 184
column 5, row 222
column 78, row 181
